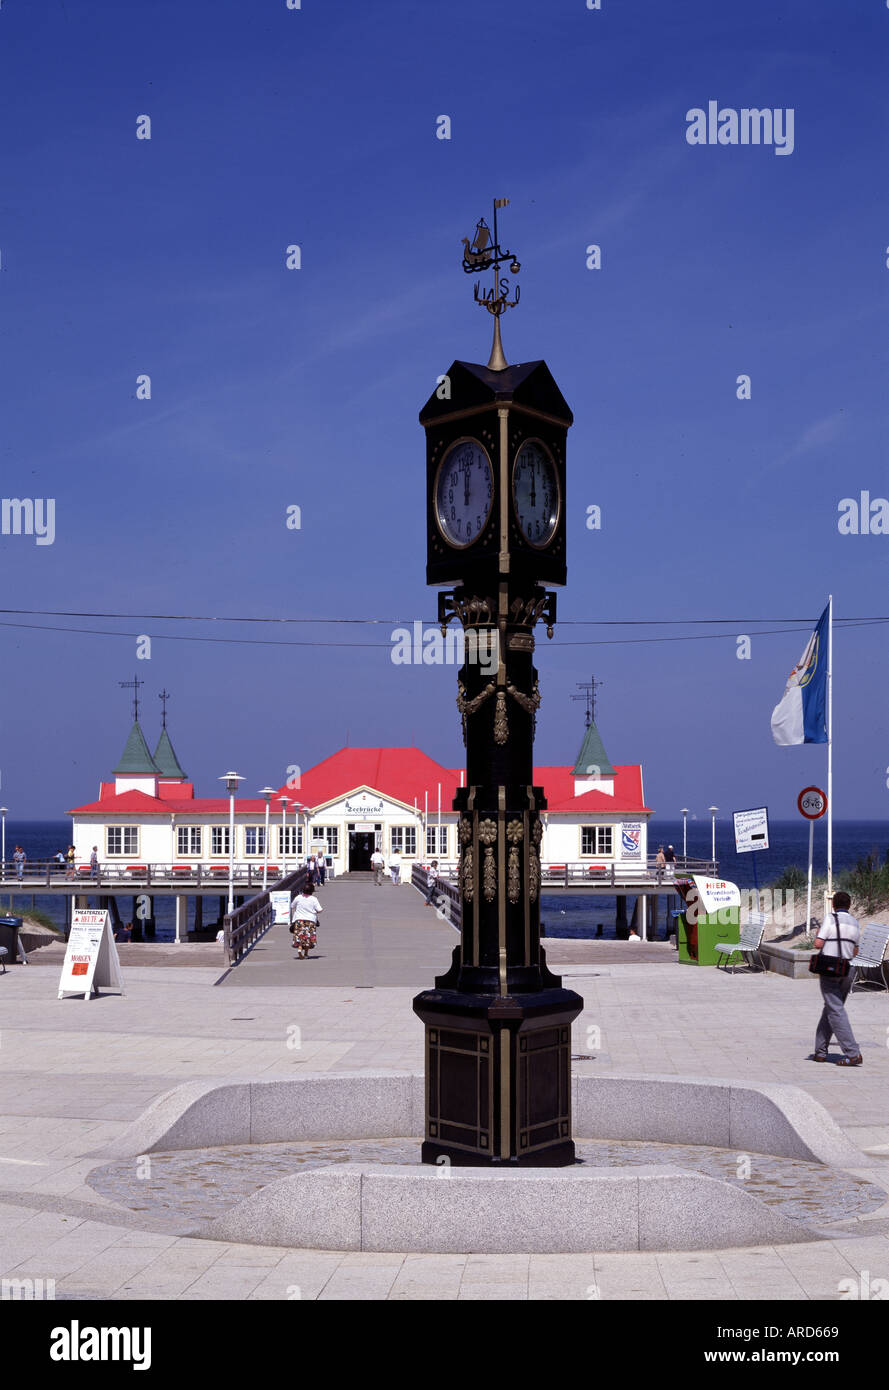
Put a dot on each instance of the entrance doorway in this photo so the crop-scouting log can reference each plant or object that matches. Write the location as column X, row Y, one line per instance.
column 361, row 847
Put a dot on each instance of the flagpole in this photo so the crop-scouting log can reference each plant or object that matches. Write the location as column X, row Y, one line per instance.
column 830, row 747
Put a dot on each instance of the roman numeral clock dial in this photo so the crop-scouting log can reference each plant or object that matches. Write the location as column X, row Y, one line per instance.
column 464, row 492
column 535, row 493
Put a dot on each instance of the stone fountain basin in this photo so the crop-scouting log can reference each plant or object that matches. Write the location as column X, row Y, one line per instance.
column 387, row 1207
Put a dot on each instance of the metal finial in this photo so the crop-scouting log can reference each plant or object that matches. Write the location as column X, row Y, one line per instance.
column 164, row 697
column 483, row 254
column 588, row 697
column 134, row 686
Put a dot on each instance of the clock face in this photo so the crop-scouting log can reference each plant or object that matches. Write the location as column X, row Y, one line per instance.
column 535, row 493
column 464, row 492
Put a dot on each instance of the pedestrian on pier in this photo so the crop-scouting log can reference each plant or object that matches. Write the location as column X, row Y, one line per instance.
column 19, row 859
column 94, row 864
column 395, row 867
column 660, row 864
column 320, row 869
column 431, row 881
column 304, row 921
column 69, row 860
column 378, row 864
column 670, row 860
column 839, row 938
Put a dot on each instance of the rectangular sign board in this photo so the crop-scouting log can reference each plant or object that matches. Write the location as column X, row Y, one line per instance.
column 751, row 829
column 91, row 957
column 280, row 902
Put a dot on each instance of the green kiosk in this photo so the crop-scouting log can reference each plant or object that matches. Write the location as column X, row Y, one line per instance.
column 711, row 914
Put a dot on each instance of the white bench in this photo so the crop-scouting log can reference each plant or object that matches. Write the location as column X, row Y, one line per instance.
column 748, row 945
column 871, row 954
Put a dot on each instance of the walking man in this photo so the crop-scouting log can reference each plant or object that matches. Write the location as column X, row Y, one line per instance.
column 378, row 864
column 94, row 864
column 395, row 867
column 839, row 937
column 431, row 881
column 19, row 860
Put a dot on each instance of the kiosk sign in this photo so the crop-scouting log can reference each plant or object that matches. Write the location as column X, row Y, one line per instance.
column 91, row 957
column 751, row 829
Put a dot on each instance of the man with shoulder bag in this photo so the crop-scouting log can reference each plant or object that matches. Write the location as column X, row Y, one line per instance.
column 837, row 944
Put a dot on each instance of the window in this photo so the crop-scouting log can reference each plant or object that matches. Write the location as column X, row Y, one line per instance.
column 219, row 840
column 254, row 839
column 404, row 840
column 596, row 839
column 123, row 839
column 326, row 834
column 189, row 840
column 290, row 840
column 436, row 840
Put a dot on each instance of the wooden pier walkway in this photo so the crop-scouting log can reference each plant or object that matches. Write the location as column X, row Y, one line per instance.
column 368, row 936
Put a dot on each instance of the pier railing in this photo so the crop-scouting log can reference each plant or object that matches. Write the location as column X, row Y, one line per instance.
column 446, row 897
column 243, row 927
column 39, row 874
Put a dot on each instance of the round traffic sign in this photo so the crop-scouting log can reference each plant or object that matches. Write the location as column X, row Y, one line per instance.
column 812, row 803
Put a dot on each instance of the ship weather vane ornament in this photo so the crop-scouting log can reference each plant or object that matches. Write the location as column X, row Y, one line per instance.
column 484, row 254
column 498, row 1023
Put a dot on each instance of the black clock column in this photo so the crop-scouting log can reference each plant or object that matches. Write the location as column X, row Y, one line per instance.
column 498, row 1024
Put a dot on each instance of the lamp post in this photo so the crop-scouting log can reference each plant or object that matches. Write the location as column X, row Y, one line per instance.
column 684, row 835
column 3, row 810
column 285, row 801
column 298, row 808
column 268, row 793
column 713, row 810
column 231, row 780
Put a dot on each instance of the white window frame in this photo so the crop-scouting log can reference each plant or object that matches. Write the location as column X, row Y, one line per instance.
column 436, row 834
column 123, row 831
column 329, row 835
column 259, row 852
column 288, row 837
column 600, row 833
column 195, row 841
column 223, row 832
column 400, row 838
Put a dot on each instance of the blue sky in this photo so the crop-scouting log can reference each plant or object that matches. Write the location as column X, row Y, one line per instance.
column 273, row 388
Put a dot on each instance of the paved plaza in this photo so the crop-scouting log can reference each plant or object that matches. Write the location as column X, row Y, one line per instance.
column 74, row 1074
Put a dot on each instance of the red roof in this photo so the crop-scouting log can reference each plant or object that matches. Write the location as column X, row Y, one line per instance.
column 399, row 773
column 140, row 803
column 558, row 784
column 406, row 773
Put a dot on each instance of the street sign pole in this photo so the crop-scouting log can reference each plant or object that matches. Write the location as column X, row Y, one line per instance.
column 811, row 803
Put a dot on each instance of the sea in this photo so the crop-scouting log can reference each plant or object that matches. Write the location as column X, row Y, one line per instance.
column 564, row 914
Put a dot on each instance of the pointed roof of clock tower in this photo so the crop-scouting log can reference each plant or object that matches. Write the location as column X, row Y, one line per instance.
column 472, row 387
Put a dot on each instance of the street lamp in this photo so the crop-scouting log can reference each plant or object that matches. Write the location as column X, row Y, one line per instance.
column 3, row 810
column 713, row 810
column 684, row 835
column 285, row 801
column 268, row 793
column 231, row 780
column 298, row 808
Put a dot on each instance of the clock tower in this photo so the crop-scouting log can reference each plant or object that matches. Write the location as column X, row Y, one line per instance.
column 498, row 1024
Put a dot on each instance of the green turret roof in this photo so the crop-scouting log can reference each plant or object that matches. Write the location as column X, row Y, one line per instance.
column 136, row 761
column 165, row 757
column 592, row 760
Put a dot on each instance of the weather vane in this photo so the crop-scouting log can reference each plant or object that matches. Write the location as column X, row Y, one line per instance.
column 484, row 254
column 133, row 685
column 588, row 697
column 164, row 697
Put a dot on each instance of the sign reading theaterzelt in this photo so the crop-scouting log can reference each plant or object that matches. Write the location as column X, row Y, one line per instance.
column 498, row 1024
